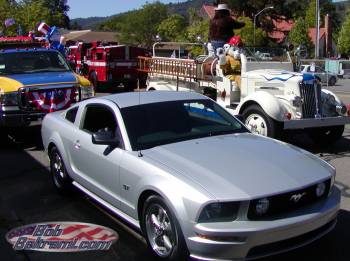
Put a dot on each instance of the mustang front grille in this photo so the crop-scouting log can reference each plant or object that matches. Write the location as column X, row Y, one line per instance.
column 284, row 203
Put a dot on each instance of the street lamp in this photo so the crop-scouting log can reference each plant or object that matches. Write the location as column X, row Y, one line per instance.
column 255, row 16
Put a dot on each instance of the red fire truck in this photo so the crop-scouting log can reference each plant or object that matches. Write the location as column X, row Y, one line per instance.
column 108, row 64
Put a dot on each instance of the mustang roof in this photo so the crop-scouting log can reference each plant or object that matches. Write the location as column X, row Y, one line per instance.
column 138, row 98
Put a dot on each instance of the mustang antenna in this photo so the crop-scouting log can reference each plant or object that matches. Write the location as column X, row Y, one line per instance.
column 138, row 89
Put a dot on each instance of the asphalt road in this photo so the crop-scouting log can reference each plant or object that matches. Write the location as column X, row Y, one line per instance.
column 28, row 196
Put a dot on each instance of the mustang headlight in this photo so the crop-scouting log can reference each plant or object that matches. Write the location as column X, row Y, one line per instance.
column 219, row 212
column 9, row 99
column 87, row 92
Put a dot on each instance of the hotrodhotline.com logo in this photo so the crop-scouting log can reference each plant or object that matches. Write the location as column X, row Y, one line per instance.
column 62, row 237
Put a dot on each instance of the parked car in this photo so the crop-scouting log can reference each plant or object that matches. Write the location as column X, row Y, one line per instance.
column 265, row 57
column 190, row 176
column 321, row 74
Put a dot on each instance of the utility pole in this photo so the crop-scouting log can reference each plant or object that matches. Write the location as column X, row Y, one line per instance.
column 317, row 43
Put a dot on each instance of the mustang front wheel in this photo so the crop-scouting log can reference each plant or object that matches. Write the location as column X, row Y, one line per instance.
column 162, row 231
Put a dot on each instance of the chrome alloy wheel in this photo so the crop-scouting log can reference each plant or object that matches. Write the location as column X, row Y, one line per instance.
column 59, row 174
column 159, row 230
column 256, row 124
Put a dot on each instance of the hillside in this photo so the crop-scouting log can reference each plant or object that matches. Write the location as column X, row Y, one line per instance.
column 179, row 8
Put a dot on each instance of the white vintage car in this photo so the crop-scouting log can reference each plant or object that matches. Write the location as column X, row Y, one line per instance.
column 190, row 176
column 272, row 98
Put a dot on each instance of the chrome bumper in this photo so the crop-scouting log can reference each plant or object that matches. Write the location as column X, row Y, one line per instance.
column 18, row 118
column 316, row 122
column 247, row 240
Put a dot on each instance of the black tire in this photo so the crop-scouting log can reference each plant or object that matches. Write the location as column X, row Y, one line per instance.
column 326, row 135
column 93, row 79
column 179, row 249
column 60, row 177
column 332, row 81
column 274, row 129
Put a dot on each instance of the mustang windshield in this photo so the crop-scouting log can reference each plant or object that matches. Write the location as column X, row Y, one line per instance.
column 32, row 62
column 155, row 124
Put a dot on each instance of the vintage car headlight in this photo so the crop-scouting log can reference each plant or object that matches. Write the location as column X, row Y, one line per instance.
column 262, row 206
column 341, row 109
column 320, row 189
column 9, row 99
column 87, row 92
column 219, row 212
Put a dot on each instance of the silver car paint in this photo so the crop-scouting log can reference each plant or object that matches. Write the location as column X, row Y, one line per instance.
column 247, row 158
column 190, row 174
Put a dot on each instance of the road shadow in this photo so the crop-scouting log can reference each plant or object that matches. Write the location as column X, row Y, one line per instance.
column 338, row 149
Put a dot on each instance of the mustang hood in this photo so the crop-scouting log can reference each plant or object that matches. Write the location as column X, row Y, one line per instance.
column 44, row 78
column 244, row 165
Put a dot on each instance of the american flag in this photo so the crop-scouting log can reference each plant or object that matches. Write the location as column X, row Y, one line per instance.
column 52, row 100
column 8, row 22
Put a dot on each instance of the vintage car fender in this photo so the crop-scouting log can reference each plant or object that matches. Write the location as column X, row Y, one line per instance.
column 272, row 106
column 335, row 96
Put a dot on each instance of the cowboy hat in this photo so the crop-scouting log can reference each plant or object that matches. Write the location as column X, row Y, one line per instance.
column 222, row 7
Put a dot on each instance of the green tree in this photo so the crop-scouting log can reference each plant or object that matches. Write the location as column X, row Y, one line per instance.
column 326, row 7
column 299, row 34
column 31, row 13
column 247, row 33
column 8, row 9
column 172, row 28
column 139, row 27
column 344, row 37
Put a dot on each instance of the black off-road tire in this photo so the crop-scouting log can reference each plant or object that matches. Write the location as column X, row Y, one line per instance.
column 179, row 251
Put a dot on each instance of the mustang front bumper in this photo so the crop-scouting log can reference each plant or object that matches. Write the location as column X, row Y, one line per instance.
column 244, row 240
column 316, row 122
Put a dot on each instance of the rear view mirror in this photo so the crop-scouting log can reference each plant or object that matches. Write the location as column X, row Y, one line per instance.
column 105, row 138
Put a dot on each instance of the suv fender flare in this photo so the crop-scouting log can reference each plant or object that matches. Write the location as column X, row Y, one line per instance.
column 273, row 106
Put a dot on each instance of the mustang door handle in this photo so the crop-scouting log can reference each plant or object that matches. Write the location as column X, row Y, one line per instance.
column 77, row 144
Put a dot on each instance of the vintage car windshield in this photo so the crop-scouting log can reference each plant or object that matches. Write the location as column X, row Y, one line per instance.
column 259, row 54
column 32, row 62
column 155, row 124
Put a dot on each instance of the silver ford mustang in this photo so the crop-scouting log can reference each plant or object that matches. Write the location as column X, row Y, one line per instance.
column 190, row 176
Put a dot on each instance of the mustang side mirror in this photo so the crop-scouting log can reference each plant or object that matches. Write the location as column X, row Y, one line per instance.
column 105, row 138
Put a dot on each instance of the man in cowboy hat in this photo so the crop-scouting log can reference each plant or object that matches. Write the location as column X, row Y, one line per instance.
column 222, row 26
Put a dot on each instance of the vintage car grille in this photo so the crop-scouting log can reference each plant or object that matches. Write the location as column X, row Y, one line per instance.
column 283, row 203
column 309, row 97
column 34, row 100
column 291, row 243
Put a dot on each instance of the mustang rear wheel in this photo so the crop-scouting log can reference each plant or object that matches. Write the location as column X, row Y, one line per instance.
column 60, row 177
column 162, row 230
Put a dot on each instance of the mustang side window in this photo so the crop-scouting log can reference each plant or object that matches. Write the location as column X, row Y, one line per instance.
column 72, row 114
column 99, row 118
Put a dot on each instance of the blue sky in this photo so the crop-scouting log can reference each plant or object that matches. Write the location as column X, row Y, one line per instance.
column 87, row 8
